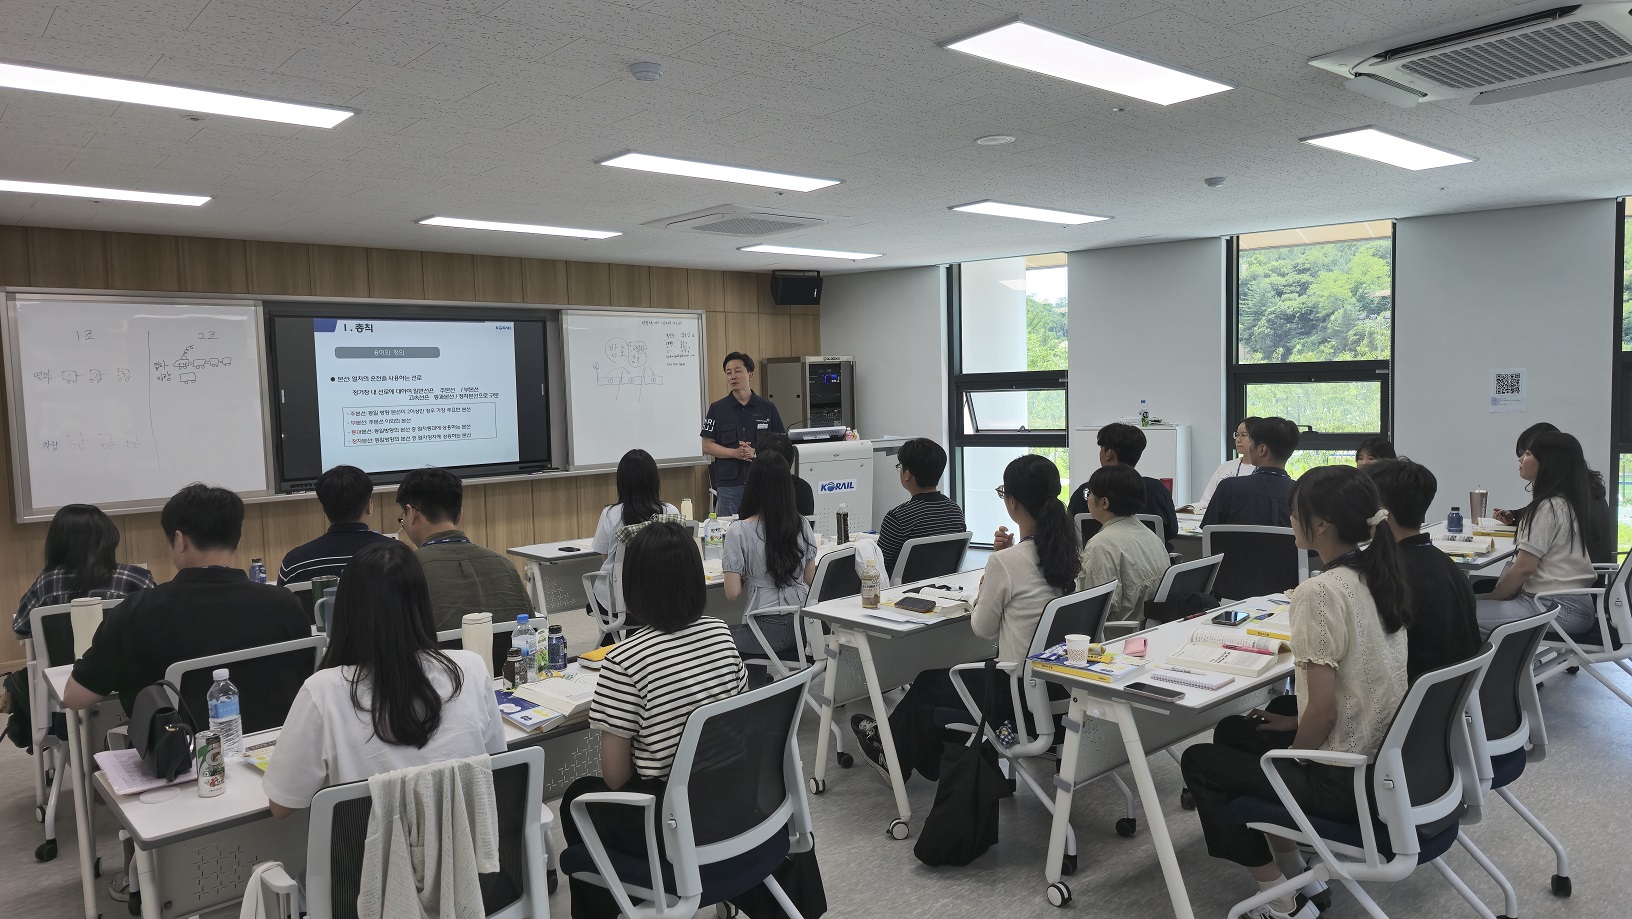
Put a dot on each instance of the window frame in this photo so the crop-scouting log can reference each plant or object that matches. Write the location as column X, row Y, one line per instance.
column 1620, row 424
column 1238, row 376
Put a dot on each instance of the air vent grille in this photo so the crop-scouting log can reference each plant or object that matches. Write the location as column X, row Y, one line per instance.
column 749, row 226
column 1517, row 57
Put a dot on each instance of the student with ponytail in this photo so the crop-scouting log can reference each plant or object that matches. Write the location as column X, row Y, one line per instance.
column 1028, row 569
column 1349, row 641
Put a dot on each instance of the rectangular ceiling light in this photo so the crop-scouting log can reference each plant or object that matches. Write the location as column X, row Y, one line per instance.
column 1025, row 212
column 142, row 92
column 106, row 194
column 541, row 230
column 813, row 253
column 1387, row 147
column 1040, row 49
column 697, row 169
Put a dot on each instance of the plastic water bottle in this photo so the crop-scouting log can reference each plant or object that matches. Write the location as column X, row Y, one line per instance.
column 870, row 582
column 225, row 715
column 1144, row 414
column 525, row 639
column 555, row 651
column 257, row 571
column 713, row 538
column 1453, row 521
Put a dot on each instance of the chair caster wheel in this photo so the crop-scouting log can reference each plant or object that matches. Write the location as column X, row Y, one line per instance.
column 1068, row 865
column 552, row 879
column 46, row 851
column 1059, row 894
column 1187, row 800
column 724, row 910
column 899, row 829
column 846, row 760
column 1572, row 669
column 817, row 786
column 1126, row 827
column 39, row 814
column 1322, row 900
column 1561, row 885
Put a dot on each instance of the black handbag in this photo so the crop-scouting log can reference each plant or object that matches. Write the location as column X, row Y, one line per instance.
column 162, row 732
column 962, row 824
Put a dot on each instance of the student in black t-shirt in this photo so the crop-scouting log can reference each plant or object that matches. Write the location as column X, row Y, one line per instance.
column 1444, row 627
column 1124, row 444
column 210, row 607
column 347, row 496
column 1259, row 499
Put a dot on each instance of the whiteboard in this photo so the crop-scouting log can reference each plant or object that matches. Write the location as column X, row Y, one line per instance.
column 633, row 380
column 120, row 402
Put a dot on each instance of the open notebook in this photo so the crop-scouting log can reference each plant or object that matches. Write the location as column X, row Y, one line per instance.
column 1227, row 651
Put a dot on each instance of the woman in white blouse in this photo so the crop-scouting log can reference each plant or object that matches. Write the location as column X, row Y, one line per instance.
column 1553, row 536
column 1229, row 469
column 1349, row 642
column 384, row 697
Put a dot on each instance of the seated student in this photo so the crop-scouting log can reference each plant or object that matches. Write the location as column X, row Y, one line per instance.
column 1552, row 539
column 803, row 497
column 1349, row 641
column 1124, row 550
column 1125, row 444
column 463, row 577
column 928, row 512
column 1373, row 449
column 1022, row 576
column 1444, row 622
column 384, row 697
column 210, row 607
column 1600, row 516
column 347, row 496
column 1259, row 499
column 772, row 554
column 649, row 684
column 79, row 562
column 638, row 501
column 1229, row 469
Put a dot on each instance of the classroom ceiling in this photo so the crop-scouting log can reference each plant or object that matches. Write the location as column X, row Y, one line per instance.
column 499, row 110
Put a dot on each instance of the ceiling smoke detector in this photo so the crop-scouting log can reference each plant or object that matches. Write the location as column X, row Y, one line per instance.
column 1214, row 181
column 994, row 140
column 646, row 72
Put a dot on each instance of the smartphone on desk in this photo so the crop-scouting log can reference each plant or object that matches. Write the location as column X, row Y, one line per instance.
column 1232, row 617
column 1154, row 692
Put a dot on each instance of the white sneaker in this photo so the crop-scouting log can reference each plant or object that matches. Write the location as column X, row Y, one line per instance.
column 1302, row 910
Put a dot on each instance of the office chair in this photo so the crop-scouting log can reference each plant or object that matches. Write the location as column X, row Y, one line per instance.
column 268, row 678
column 926, row 557
column 503, row 633
column 1258, row 560
column 1182, row 580
column 1608, row 642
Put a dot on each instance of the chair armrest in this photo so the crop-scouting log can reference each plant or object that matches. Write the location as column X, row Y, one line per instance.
column 779, row 667
column 1012, row 670
column 277, row 882
column 1353, row 761
column 1576, row 592
column 1329, row 757
column 597, row 850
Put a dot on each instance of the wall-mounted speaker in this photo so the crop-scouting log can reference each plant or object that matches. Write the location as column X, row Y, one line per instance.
column 796, row 288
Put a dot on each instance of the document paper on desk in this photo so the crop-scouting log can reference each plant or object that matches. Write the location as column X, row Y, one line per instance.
column 128, row 775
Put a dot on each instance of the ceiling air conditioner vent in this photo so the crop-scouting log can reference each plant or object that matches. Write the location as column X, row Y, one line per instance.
column 736, row 220
column 1526, row 50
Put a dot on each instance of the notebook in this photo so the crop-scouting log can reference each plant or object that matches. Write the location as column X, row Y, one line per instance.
column 1465, row 545
column 1276, row 625
column 524, row 714
column 1207, row 681
column 567, row 694
column 1216, row 650
column 128, row 775
column 1119, row 669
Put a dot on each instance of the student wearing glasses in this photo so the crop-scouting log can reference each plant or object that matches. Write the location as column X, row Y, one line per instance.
column 463, row 577
column 1259, row 499
column 1124, row 550
column 1229, row 469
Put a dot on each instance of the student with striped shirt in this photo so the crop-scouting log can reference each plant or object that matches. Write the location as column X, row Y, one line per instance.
column 649, row 684
column 347, row 496
column 928, row 512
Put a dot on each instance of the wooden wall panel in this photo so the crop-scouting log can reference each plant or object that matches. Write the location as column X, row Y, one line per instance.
column 496, row 515
column 396, row 274
column 67, row 258
column 279, row 268
column 449, row 276
column 216, row 266
column 138, row 261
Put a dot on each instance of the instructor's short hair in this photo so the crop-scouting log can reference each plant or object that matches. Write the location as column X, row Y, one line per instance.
column 747, row 362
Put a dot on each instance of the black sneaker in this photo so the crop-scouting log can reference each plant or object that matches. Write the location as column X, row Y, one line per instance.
column 866, row 730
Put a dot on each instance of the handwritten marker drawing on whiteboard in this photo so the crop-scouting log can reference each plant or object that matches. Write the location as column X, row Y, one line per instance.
column 629, row 367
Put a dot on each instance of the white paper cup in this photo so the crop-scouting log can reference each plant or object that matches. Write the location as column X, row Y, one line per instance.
column 1076, row 647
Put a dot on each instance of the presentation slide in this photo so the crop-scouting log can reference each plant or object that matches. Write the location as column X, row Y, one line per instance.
column 403, row 394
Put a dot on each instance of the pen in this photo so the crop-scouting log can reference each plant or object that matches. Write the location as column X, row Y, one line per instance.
column 1181, row 670
column 1248, row 650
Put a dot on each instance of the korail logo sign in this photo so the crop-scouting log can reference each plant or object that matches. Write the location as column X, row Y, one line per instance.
column 838, row 485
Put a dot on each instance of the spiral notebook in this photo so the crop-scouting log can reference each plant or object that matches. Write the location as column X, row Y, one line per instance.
column 1207, row 681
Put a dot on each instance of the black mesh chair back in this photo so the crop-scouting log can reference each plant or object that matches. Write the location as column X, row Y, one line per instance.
column 1430, row 768
column 1501, row 692
column 303, row 592
column 267, row 685
column 1085, row 616
column 836, row 576
column 56, row 627
column 736, row 778
column 1254, row 564
column 935, row 557
column 1190, row 579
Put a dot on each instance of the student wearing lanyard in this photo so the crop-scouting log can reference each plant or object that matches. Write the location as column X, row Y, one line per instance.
column 1259, row 499
column 1229, row 469
column 731, row 428
column 462, row 577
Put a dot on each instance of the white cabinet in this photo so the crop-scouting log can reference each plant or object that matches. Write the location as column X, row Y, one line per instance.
column 1167, row 456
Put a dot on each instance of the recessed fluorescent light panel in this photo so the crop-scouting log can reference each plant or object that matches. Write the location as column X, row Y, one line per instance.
column 142, row 92
column 540, row 230
column 697, row 169
column 813, row 253
column 106, row 194
column 1388, row 147
column 1040, row 49
column 1023, row 212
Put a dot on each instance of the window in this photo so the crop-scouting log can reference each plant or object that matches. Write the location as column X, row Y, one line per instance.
column 1620, row 428
column 1009, row 356
column 1312, row 329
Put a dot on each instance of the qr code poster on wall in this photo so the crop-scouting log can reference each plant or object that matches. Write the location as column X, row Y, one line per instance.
column 1508, row 390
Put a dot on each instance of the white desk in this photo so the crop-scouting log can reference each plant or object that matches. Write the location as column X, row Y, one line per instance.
column 1506, row 548
column 78, row 765
column 903, row 651
column 555, row 572
column 1145, row 725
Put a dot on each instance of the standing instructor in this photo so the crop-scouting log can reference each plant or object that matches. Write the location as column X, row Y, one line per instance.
column 732, row 427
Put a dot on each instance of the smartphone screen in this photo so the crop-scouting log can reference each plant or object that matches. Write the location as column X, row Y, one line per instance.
column 1158, row 692
column 1231, row 617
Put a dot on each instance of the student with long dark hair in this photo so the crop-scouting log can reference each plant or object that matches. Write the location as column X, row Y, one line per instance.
column 639, row 501
column 1600, row 516
column 770, row 555
column 1349, row 640
column 1022, row 576
column 1552, row 539
column 384, row 697
column 79, row 562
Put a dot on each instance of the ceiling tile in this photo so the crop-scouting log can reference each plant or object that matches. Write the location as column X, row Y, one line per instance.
column 1316, row 28
column 608, row 22
column 771, row 20
column 1175, row 37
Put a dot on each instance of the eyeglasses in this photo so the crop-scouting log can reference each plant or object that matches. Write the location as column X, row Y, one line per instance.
column 898, row 465
column 401, row 521
column 1000, row 492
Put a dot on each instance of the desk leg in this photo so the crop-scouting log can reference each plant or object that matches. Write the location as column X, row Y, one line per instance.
column 1070, row 750
column 875, row 694
column 1152, row 805
column 535, row 573
column 82, row 813
column 147, row 876
column 824, row 729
